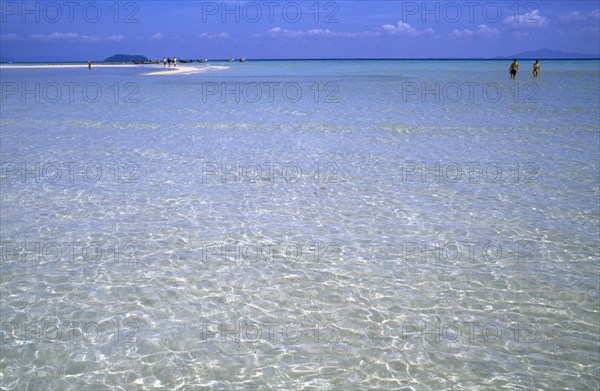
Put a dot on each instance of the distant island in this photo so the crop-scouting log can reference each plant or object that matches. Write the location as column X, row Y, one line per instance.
column 547, row 54
column 126, row 58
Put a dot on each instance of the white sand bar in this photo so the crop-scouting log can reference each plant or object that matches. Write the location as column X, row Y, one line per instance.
column 176, row 70
column 156, row 70
column 47, row 66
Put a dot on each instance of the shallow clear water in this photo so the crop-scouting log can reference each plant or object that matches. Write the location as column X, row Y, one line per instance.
column 317, row 224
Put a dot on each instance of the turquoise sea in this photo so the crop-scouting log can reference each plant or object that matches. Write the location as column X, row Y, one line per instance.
column 318, row 225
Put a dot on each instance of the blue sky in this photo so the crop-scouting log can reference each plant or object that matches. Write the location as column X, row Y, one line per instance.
column 79, row 30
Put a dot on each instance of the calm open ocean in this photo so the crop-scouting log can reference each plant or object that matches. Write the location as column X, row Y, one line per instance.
column 301, row 225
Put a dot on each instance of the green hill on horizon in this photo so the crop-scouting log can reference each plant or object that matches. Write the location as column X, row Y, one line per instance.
column 126, row 58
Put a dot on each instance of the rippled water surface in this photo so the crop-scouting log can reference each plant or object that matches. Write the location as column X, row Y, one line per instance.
column 308, row 224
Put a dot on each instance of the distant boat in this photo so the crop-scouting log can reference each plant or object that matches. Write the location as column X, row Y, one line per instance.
column 205, row 60
column 231, row 60
column 242, row 60
column 186, row 61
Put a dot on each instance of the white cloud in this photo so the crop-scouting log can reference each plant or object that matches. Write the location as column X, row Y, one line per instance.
column 72, row 37
column 482, row 31
column 466, row 33
column 401, row 28
column 214, row 36
column 75, row 37
column 115, row 38
column 578, row 16
column 486, row 31
column 322, row 33
column 56, row 36
column 530, row 19
column 575, row 15
column 405, row 29
column 8, row 37
column 157, row 37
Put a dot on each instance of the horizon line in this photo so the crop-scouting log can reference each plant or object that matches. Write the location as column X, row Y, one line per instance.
column 329, row 59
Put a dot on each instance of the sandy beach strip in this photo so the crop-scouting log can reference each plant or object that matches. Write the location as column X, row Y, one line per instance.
column 50, row 66
column 155, row 69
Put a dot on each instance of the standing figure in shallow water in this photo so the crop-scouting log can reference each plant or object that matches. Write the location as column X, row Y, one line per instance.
column 514, row 67
column 536, row 68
